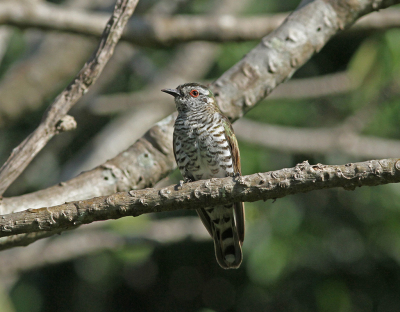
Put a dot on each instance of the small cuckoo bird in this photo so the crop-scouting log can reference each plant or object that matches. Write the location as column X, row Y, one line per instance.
column 205, row 147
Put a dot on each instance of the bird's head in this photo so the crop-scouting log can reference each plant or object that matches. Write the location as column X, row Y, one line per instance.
column 192, row 97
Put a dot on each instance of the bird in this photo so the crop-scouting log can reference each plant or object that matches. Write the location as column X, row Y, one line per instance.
column 206, row 147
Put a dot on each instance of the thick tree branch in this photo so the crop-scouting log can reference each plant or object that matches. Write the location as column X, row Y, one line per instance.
column 286, row 49
column 142, row 165
column 52, row 122
column 204, row 193
column 161, row 30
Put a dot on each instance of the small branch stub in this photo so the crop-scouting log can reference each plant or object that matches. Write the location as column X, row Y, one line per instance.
column 66, row 123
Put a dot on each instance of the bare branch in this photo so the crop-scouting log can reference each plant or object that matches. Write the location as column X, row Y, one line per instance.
column 31, row 81
column 320, row 140
column 28, row 84
column 204, row 193
column 28, row 149
column 146, row 162
column 161, row 30
column 21, row 240
column 282, row 52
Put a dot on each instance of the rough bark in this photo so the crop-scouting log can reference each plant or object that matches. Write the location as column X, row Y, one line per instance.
column 142, row 165
column 204, row 193
column 283, row 51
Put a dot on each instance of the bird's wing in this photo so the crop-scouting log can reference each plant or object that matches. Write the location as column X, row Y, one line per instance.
column 233, row 144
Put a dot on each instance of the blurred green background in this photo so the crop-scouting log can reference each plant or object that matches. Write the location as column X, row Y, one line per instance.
column 326, row 251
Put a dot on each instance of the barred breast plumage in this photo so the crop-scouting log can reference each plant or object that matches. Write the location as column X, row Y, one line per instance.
column 205, row 147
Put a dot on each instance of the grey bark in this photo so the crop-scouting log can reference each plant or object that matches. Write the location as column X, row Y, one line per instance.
column 204, row 193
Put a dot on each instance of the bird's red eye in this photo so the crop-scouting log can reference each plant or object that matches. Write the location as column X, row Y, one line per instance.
column 194, row 93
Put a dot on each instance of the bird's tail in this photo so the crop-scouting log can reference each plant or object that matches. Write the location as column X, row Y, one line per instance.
column 227, row 243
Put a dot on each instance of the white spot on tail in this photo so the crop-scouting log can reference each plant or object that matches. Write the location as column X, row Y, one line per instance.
column 230, row 258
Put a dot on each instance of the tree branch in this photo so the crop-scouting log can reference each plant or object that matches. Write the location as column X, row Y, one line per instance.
column 31, row 81
column 53, row 119
column 204, row 193
column 161, row 30
column 142, row 165
column 318, row 140
column 282, row 52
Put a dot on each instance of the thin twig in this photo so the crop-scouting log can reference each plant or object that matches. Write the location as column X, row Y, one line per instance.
column 52, row 122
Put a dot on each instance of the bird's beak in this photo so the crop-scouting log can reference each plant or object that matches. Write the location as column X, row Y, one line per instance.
column 173, row 92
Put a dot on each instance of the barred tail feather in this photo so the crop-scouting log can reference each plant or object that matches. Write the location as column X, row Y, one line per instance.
column 227, row 243
column 226, row 226
column 228, row 248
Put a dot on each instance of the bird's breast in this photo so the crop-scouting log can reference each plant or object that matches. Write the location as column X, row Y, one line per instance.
column 202, row 150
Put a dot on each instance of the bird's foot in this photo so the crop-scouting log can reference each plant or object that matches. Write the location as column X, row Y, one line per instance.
column 187, row 180
column 184, row 181
column 233, row 175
